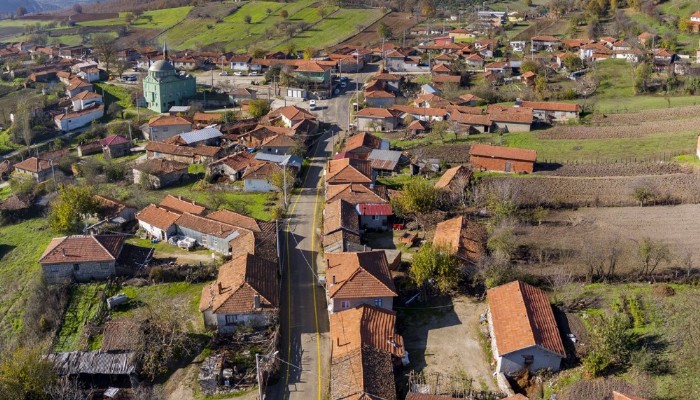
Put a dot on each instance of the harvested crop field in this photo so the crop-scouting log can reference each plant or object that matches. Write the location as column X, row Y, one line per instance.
column 629, row 125
column 398, row 22
column 593, row 191
column 612, row 169
column 564, row 236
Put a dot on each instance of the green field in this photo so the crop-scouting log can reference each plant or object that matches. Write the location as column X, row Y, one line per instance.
column 652, row 147
column 21, row 245
column 83, row 304
column 155, row 19
column 339, row 25
column 232, row 33
column 181, row 293
column 113, row 93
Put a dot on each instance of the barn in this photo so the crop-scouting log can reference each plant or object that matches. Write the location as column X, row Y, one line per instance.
column 502, row 159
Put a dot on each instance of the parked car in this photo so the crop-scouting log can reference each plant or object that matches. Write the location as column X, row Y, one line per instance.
column 238, row 73
column 253, row 73
column 312, row 105
column 343, row 84
column 223, row 73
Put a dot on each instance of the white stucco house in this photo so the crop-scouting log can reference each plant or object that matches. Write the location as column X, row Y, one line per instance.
column 76, row 119
column 158, row 222
column 523, row 329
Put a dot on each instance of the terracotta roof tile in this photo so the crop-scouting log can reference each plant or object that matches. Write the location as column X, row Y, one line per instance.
column 340, row 215
column 185, row 151
column 237, row 284
column 159, row 217
column 80, row 248
column 159, row 166
column 550, row 106
column 356, row 193
column 621, row 396
column 363, row 139
column 33, row 164
column 365, row 325
column 348, row 170
column 206, row 225
column 485, row 150
column 522, row 317
column 168, row 120
column 263, row 170
column 365, row 374
column 114, row 140
column 236, row 219
column 466, row 238
column 458, row 172
column 238, row 161
column 375, row 112
column 521, row 115
column 181, row 205
column 359, row 275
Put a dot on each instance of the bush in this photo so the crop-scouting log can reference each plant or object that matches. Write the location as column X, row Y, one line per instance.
column 115, row 172
column 277, row 212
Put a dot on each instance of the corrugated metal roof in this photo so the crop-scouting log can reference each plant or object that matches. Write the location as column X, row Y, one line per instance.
column 384, row 159
column 94, row 362
column 288, row 160
column 374, row 209
column 200, row 135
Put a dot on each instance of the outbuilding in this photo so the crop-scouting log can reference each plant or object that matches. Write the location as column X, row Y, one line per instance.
column 485, row 157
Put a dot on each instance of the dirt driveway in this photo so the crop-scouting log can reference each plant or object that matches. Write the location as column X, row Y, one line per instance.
column 447, row 341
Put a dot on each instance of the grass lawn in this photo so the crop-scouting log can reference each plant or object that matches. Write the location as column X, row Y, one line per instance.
column 617, row 149
column 164, row 247
column 114, row 93
column 430, row 139
column 257, row 205
column 156, row 19
column 21, row 245
column 5, row 192
column 638, row 103
column 6, row 144
column 84, row 304
column 180, row 294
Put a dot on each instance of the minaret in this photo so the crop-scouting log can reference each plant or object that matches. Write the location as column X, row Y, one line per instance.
column 165, row 51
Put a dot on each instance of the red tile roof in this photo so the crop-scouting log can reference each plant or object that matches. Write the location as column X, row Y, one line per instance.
column 348, row 170
column 466, row 238
column 621, row 396
column 114, row 140
column 206, row 225
column 364, row 325
column 159, row 217
column 458, row 172
column 80, row 248
column 485, row 150
column 365, row 374
column 355, row 194
column 159, row 166
column 237, row 284
column 340, row 215
column 236, row 219
column 33, row 164
column 374, row 112
column 522, row 317
column 359, row 275
column 362, row 139
column 181, row 205
column 168, row 120
column 550, row 106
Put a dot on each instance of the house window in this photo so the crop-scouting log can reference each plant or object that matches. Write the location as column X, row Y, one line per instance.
column 345, row 304
column 377, row 302
column 76, row 267
column 231, row 319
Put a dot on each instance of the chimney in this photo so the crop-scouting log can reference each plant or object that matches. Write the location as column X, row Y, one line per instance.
column 333, row 280
column 256, row 301
column 63, row 251
column 220, row 287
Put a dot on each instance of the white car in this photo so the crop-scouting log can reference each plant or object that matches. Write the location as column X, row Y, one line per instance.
column 253, row 73
column 312, row 105
column 238, row 73
column 223, row 73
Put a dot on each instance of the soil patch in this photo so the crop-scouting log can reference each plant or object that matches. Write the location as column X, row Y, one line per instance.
column 397, row 21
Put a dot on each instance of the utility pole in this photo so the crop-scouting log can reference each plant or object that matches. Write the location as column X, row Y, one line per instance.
column 257, row 375
column 284, row 184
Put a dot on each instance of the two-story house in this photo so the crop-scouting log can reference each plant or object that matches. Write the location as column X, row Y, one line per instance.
column 359, row 278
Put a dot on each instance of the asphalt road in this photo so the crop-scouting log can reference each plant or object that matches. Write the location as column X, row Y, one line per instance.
column 303, row 312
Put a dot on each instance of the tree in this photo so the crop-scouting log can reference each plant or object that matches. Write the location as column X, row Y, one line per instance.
column 540, row 85
column 283, row 179
column 258, row 108
column 419, row 196
column 284, row 14
column 642, row 77
column 72, row 202
column 105, row 49
column 572, row 63
column 23, row 120
column 652, row 253
column 268, row 11
column 290, row 47
column 322, row 12
column 25, row 374
column 129, row 18
column 309, row 53
column 440, row 128
column 610, row 343
column 163, row 338
column 384, row 31
column 683, row 25
column 644, row 194
column 21, row 11
column 435, row 266
column 529, row 65
column 247, row 19
column 78, row 8
column 427, row 8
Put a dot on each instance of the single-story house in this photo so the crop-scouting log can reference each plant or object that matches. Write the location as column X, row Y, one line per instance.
column 81, row 258
column 376, row 119
column 524, row 331
column 77, row 119
column 349, row 170
column 258, row 177
column 212, row 234
column 291, row 115
column 158, row 222
column 183, row 154
column 359, row 278
column 363, row 143
column 380, row 98
column 85, row 99
column 115, row 146
column 164, row 126
column 182, row 205
column 232, row 166
column 37, row 168
column 511, row 119
column 246, row 292
column 159, row 173
column 547, row 111
column 112, row 212
column 208, row 136
column 375, row 216
column 341, row 228
column 356, row 193
column 278, row 144
column 502, row 159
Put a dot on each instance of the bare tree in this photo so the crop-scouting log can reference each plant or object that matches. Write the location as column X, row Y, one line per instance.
column 105, row 49
column 23, row 120
column 651, row 254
